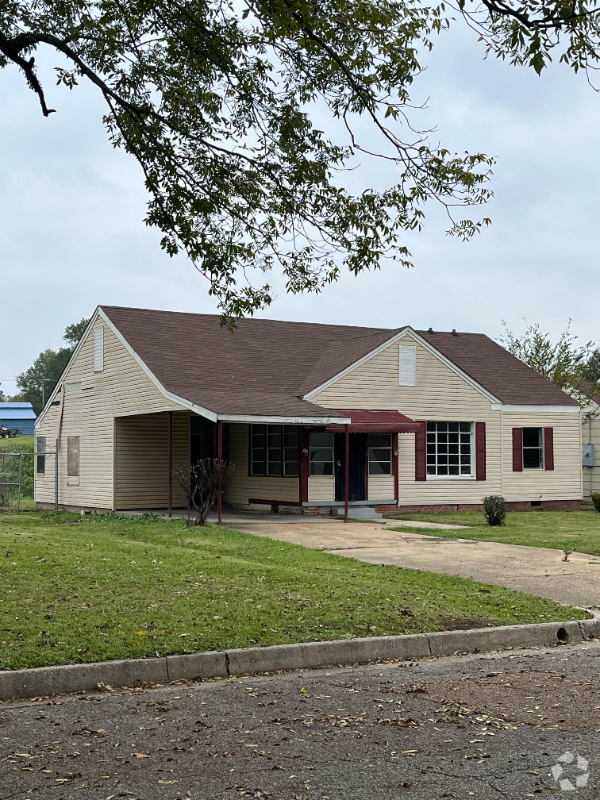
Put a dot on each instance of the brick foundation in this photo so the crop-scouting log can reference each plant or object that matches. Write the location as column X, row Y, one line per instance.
column 516, row 505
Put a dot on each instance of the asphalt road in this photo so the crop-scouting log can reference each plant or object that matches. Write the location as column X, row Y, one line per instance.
column 469, row 727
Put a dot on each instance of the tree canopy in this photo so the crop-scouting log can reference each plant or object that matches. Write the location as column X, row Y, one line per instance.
column 37, row 383
column 563, row 362
column 219, row 102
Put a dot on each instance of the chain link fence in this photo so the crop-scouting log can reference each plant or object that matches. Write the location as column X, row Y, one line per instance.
column 591, row 481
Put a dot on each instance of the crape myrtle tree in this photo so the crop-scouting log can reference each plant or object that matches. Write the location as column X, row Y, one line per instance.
column 218, row 102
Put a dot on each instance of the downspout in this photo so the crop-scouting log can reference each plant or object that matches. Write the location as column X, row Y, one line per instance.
column 170, row 463
column 346, row 470
column 220, row 460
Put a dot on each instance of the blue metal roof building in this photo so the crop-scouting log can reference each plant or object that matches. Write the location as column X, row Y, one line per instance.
column 18, row 415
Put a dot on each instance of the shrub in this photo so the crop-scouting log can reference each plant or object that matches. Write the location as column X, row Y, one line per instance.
column 596, row 500
column 494, row 509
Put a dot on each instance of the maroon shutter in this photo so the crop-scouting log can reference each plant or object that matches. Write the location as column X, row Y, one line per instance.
column 421, row 452
column 548, row 448
column 517, row 449
column 480, row 451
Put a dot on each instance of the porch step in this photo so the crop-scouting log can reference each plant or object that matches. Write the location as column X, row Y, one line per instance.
column 359, row 512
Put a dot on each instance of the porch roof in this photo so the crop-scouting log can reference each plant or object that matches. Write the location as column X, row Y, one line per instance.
column 376, row 422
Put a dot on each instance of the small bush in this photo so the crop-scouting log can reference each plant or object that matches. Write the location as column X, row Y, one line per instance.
column 494, row 509
column 596, row 500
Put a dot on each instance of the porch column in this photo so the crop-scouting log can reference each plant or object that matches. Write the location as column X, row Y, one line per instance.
column 220, row 461
column 346, row 469
column 395, row 465
column 170, row 463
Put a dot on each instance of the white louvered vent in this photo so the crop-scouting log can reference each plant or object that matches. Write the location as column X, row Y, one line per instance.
column 99, row 349
column 408, row 365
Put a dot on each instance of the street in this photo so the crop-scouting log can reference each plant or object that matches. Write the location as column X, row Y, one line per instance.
column 462, row 727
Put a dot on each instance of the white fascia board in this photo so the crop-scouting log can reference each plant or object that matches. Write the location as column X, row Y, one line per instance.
column 255, row 418
column 204, row 412
column 56, row 390
column 524, row 409
column 408, row 331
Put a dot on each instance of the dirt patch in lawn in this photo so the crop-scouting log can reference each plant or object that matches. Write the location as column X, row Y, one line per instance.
column 539, row 699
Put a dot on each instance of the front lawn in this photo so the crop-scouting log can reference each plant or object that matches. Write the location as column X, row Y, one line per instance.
column 94, row 588
column 563, row 530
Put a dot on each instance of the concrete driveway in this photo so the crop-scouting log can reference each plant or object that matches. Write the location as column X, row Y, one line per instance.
column 535, row 570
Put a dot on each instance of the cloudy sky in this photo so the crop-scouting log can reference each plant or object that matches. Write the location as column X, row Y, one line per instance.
column 72, row 234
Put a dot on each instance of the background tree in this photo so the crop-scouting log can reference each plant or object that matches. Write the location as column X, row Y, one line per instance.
column 37, row 383
column 592, row 370
column 3, row 397
column 218, row 102
column 563, row 362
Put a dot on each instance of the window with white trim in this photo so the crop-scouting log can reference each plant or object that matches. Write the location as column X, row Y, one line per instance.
column 321, row 453
column 450, row 448
column 40, row 458
column 380, row 454
column 533, row 448
column 99, row 349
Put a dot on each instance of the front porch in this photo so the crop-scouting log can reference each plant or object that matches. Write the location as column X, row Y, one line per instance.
column 286, row 467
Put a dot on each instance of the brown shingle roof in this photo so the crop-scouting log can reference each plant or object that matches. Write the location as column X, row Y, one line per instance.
column 494, row 368
column 266, row 366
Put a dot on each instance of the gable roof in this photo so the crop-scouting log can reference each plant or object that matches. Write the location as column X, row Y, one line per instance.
column 265, row 367
column 497, row 370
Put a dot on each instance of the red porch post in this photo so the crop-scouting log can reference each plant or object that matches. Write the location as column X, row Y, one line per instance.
column 395, row 465
column 170, row 463
column 220, row 460
column 346, row 469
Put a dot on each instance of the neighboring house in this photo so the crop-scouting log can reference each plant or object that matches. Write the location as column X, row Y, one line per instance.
column 18, row 415
column 425, row 420
column 590, row 429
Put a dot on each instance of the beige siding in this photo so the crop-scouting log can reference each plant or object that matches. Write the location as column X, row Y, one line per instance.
column 561, row 483
column 243, row 487
column 381, row 487
column 321, row 487
column 439, row 394
column 44, row 484
column 442, row 394
column 142, row 459
column 123, row 388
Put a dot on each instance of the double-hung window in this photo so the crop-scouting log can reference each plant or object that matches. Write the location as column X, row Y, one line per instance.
column 449, row 448
column 321, row 453
column 40, row 459
column 380, row 454
column 533, row 448
column 274, row 450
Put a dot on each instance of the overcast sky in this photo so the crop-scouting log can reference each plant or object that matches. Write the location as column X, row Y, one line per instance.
column 72, row 234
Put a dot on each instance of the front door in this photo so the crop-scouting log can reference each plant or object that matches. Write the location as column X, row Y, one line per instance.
column 357, row 472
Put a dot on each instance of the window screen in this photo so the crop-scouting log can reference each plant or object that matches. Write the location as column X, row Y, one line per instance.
column 449, row 446
column 73, row 456
column 533, row 448
column 99, row 349
column 321, row 453
column 380, row 454
column 40, row 459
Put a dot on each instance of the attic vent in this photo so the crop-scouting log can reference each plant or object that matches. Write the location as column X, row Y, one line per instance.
column 99, row 349
column 408, row 365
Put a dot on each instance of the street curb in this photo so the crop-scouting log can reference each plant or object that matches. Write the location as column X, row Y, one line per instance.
column 70, row 678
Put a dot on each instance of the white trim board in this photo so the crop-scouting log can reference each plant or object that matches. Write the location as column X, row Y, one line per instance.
column 525, row 409
column 408, row 331
column 284, row 420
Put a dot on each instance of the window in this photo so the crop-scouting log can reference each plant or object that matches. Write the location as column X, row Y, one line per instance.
column 408, row 365
column 99, row 349
column 380, row 454
column 40, row 459
column 72, row 456
column 533, row 448
column 274, row 450
column 321, row 453
column 449, row 446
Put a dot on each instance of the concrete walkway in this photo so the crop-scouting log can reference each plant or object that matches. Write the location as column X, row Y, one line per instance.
column 535, row 570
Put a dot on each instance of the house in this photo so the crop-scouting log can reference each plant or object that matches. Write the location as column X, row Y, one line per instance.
column 18, row 415
column 590, row 424
column 314, row 417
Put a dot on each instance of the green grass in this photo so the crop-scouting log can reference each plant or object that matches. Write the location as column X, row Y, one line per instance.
column 563, row 530
column 89, row 589
column 17, row 444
